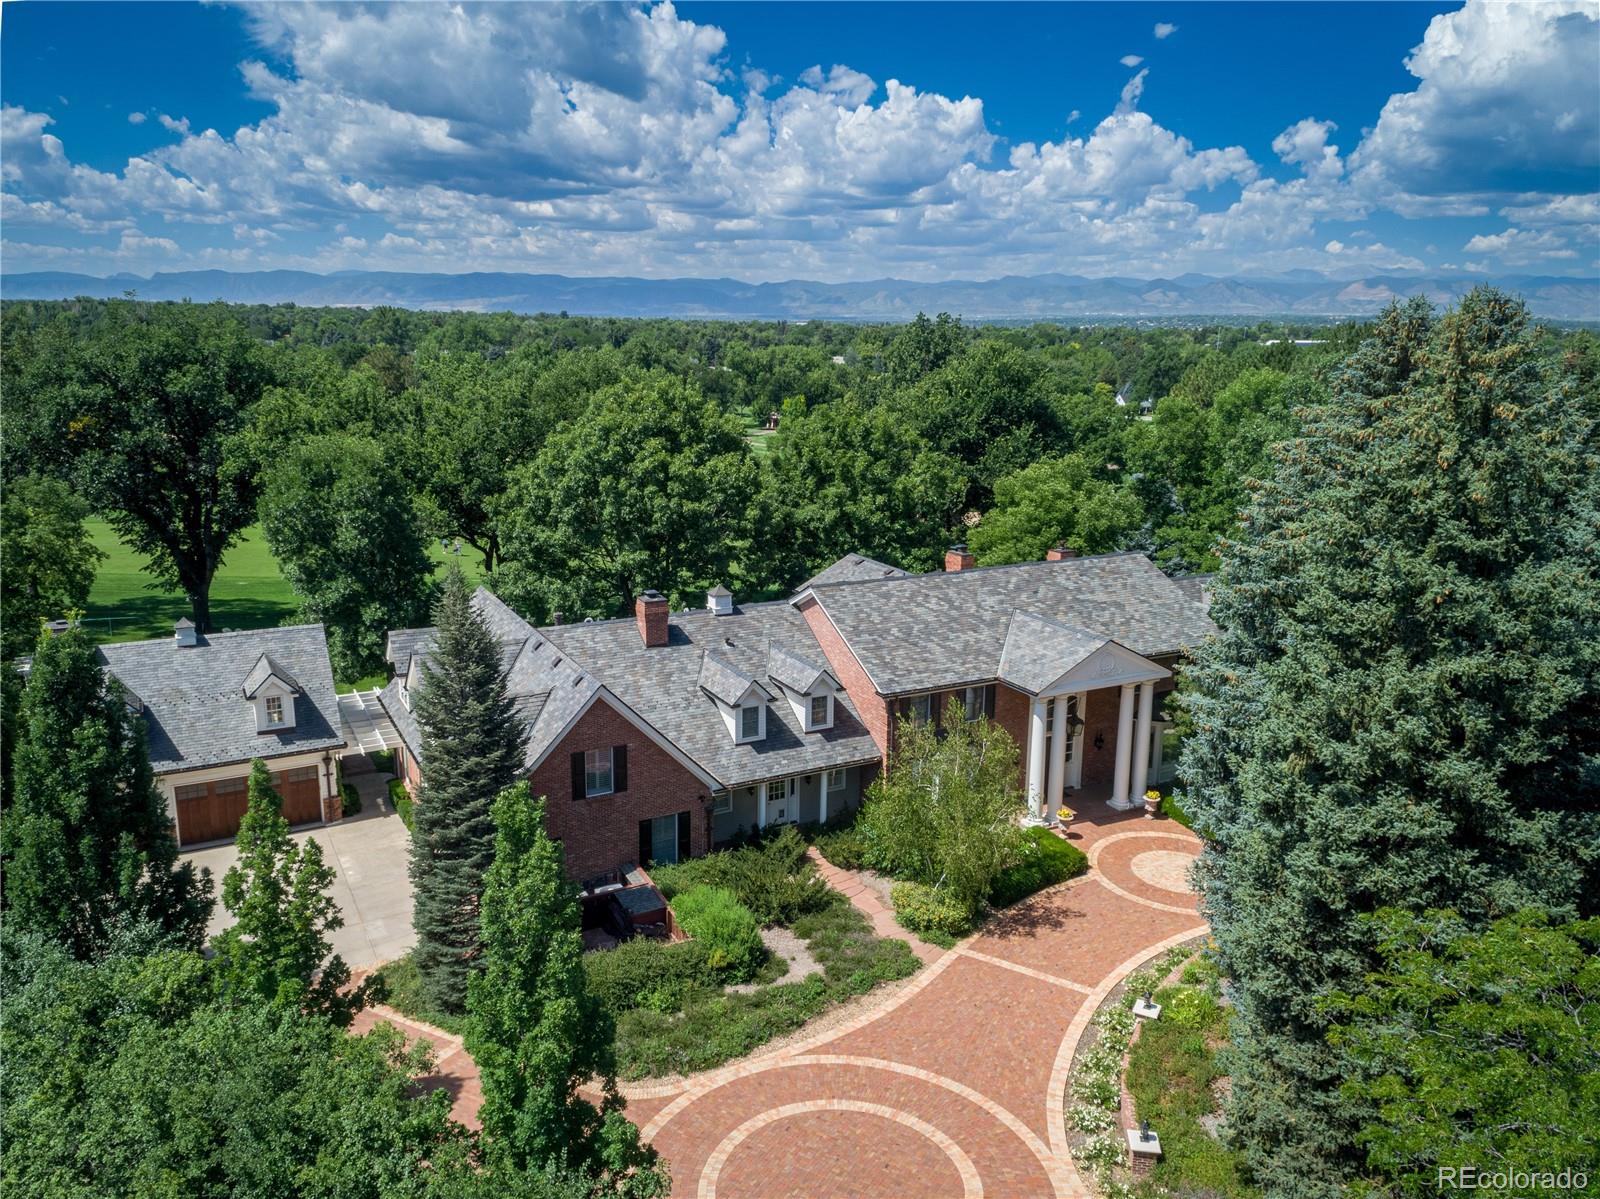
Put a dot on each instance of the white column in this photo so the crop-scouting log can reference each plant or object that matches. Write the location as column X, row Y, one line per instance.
column 1036, row 735
column 1119, row 788
column 761, row 805
column 1141, row 742
column 822, row 798
column 1058, row 757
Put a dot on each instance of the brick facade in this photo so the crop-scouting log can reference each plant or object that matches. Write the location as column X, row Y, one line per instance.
column 602, row 833
column 873, row 708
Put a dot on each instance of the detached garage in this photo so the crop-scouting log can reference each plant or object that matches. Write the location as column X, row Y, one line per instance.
column 212, row 704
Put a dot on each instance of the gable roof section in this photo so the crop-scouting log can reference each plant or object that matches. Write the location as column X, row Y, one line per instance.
column 721, row 681
column 795, row 673
column 1038, row 651
column 264, row 669
column 926, row 632
column 852, row 568
column 195, row 715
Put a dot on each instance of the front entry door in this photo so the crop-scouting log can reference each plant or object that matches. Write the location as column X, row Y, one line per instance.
column 781, row 802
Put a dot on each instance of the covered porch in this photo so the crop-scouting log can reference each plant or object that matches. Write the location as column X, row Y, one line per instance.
column 812, row 798
column 1093, row 734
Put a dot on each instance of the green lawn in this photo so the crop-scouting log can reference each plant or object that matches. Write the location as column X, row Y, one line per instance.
column 760, row 442
column 249, row 592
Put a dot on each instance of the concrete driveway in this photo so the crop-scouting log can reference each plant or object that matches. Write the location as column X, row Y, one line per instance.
column 369, row 853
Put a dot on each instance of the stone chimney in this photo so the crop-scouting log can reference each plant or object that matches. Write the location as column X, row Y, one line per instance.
column 719, row 601
column 184, row 634
column 958, row 557
column 650, row 609
column 1060, row 553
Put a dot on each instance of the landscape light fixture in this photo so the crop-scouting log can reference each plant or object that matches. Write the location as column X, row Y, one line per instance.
column 1144, row 1131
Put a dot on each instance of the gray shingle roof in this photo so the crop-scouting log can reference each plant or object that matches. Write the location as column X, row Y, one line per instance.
column 931, row 631
column 404, row 720
column 1038, row 651
column 264, row 669
column 195, row 715
column 662, row 685
column 719, row 679
column 402, row 643
column 1196, row 587
column 853, row 568
column 797, row 673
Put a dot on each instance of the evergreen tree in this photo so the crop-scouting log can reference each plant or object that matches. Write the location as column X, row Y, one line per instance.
column 472, row 745
column 1401, row 709
column 277, row 892
column 535, row 1031
column 87, row 842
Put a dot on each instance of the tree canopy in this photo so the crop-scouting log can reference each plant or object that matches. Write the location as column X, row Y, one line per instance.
column 1400, row 710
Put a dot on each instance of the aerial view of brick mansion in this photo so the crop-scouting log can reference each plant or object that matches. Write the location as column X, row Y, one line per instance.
column 660, row 736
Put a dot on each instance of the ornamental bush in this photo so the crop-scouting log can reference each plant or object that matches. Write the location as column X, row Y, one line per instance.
column 1045, row 860
column 771, row 876
column 728, row 929
column 649, row 974
column 926, row 910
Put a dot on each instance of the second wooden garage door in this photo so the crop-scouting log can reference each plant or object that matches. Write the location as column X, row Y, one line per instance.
column 212, row 811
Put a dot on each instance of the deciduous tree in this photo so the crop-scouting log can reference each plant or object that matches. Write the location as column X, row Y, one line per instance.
column 1055, row 501
column 47, row 559
column 535, row 1031
column 276, row 951
column 338, row 515
column 87, row 841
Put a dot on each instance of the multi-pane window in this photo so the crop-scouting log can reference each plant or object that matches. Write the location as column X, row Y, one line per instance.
column 821, row 711
column 750, row 722
column 920, row 708
column 597, row 778
column 274, row 709
column 835, row 780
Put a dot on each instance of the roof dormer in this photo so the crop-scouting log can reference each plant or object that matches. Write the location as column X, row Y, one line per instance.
column 271, row 691
column 809, row 688
column 740, row 699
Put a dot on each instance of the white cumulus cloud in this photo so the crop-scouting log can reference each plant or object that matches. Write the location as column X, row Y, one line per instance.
column 1165, row 30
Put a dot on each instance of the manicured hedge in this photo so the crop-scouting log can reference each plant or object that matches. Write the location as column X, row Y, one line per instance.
column 1047, row 860
column 401, row 799
column 382, row 760
column 728, row 929
column 351, row 799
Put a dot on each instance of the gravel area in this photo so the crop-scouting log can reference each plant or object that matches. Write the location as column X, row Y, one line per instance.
column 794, row 951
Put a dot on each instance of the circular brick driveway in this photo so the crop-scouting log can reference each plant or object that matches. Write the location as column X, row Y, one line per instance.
column 953, row 1085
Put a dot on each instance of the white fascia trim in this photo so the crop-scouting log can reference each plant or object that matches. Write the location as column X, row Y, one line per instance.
column 639, row 723
column 1132, row 668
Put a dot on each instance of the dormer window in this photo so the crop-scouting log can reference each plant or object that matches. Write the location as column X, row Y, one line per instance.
column 752, row 722
column 819, row 713
column 275, row 710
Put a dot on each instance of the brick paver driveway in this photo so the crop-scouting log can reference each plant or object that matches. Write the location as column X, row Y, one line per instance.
column 954, row 1085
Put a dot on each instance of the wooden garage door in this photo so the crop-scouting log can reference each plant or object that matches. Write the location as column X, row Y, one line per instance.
column 212, row 811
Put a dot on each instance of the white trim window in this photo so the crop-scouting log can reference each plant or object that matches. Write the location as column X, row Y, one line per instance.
column 836, row 780
column 597, row 774
column 722, row 804
column 275, row 710
column 752, row 722
column 819, row 713
column 920, row 709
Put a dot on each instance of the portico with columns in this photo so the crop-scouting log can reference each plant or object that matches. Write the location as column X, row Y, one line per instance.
column 1057, row 750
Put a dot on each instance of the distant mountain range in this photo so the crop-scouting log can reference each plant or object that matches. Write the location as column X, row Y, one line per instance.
column 1303, row 294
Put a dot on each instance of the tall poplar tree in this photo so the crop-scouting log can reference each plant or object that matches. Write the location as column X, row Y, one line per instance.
column 277, row 949
column 472, row 745
column 535, row 1031
column 87, row 842
column 1401, row 709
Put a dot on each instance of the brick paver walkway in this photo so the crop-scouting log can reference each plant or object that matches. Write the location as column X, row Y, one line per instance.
column 952, row 1085
column 865, row 900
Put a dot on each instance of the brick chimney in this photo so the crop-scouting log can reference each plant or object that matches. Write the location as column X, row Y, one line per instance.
column 958, row 557
column 650, row 609
column 1060, row 553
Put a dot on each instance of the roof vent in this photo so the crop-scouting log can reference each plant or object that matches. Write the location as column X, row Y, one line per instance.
column 184, row 634
column 719, row 601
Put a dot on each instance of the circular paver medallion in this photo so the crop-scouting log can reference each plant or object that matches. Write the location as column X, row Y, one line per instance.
column 1164, row 868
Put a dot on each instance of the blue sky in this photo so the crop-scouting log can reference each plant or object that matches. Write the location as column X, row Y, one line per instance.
column 830, row 141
